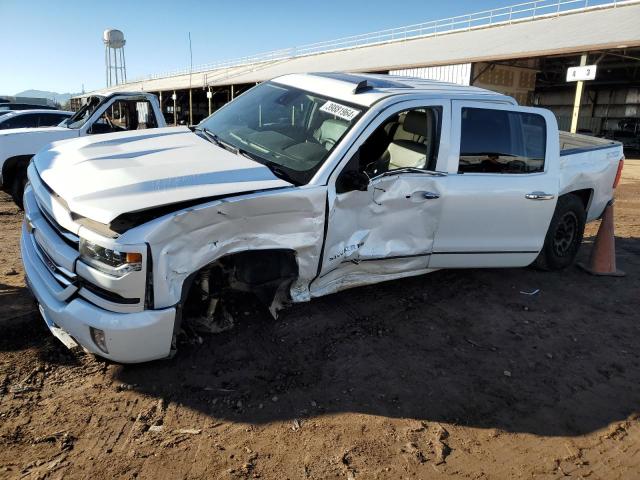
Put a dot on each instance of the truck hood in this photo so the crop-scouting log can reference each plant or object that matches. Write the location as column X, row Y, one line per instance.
column 102, row 177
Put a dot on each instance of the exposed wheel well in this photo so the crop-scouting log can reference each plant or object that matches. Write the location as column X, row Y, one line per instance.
column 584, row 195
column 265, row 273
column 11, row 166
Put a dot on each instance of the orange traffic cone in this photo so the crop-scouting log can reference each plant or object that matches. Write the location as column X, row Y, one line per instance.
column 603, row 254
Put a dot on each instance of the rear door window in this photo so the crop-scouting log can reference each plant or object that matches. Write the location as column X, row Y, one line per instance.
column 501, row 141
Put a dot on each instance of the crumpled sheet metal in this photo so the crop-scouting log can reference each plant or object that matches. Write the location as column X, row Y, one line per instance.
column 393, row 220
column 184, row 242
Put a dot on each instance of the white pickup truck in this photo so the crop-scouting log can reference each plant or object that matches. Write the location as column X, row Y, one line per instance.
column 116, row 112
column 302, row 186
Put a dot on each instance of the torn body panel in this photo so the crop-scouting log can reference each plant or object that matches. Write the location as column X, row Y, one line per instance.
column 287, row 219
column 363, row 231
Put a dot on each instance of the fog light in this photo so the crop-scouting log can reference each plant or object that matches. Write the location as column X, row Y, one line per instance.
column 99, row 339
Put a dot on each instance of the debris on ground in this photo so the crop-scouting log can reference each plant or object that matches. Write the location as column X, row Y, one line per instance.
column 532, row 292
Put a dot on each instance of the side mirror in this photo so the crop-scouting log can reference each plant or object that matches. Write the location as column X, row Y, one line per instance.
column 352, row 180
column 359, row 180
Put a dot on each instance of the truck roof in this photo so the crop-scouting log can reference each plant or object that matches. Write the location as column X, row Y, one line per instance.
column 138, row 93
column 16, row 113
column 365, row 89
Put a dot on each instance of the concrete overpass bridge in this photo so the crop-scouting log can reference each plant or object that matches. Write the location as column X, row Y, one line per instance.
column 522, row 50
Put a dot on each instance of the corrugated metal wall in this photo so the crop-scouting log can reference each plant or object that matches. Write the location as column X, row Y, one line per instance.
column 460, row 74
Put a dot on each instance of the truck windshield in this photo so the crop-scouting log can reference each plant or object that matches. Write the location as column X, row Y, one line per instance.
column 81, row 116
column 289, row 130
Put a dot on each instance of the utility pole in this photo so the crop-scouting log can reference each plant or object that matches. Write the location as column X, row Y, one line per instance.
column 190, row 73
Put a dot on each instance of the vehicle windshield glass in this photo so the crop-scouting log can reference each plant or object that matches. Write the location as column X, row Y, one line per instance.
column 287, row 129
column 81, row 116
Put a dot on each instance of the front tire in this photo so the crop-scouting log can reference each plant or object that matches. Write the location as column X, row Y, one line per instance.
column 564, row 235
column 18, row 186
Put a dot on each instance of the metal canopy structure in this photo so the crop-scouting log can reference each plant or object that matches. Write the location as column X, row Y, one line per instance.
column 534, row 29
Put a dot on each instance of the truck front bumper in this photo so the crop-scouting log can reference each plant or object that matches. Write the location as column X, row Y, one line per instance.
column 129, row 337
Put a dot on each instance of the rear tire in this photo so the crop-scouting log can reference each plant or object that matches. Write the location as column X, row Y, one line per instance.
column 18, row 186
column 564, row 235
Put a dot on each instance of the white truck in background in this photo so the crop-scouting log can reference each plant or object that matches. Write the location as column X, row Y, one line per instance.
column 115, row 112
column 303, row 186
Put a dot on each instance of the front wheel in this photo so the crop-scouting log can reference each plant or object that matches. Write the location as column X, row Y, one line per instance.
column 564, row 236
column 18, row 186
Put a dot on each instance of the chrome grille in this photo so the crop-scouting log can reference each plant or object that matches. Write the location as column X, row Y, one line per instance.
column 69, row 237
column 63, row 276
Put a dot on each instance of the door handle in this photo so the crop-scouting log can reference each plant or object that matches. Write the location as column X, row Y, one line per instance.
column 539, row 196
column 430, row 196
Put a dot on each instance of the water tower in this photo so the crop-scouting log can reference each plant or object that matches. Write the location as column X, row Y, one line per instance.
column 116, row 67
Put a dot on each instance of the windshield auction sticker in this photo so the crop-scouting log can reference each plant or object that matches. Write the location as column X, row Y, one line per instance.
column 341, row 111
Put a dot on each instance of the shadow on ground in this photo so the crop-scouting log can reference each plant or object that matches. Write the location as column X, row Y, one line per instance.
column 22, row 327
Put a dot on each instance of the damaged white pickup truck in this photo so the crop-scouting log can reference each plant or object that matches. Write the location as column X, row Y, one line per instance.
column 302, row 186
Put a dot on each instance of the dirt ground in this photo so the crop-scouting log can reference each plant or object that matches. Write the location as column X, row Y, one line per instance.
column 452, row 374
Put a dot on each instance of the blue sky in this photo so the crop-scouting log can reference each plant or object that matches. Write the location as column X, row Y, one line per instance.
column 56, row 45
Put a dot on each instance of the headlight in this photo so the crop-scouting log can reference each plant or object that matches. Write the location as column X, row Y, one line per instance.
column 109, row 261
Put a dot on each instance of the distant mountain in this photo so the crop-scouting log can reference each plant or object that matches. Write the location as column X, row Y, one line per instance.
column 61, row 98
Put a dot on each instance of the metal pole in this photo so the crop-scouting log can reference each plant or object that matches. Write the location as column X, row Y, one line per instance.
column 190, row 74
column 175, row 111
column 232, row 93
column 578, row 98
column 110, row 66
column 124, row 66
column 115, row 64
column 209, row 98
column 106, row 64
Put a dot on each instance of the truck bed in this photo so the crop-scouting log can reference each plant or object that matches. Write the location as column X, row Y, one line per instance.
column 590, row 164
column 574, row 142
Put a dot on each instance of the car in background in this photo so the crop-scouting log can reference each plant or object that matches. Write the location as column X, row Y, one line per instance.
column 25, row 106
column 32, row 118
column 112, row 113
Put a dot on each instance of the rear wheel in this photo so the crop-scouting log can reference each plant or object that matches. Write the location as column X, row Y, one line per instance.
column 564, row 236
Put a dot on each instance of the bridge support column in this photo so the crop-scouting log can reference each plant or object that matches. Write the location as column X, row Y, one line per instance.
column 175, row 110
column 578, row 98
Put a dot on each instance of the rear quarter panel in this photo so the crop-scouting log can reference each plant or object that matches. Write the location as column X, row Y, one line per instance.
column 593, row 169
